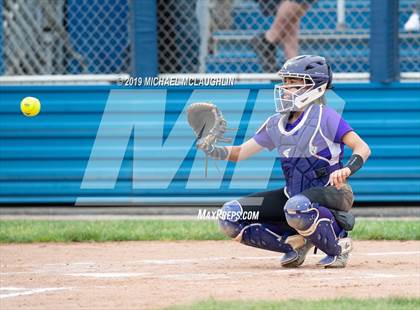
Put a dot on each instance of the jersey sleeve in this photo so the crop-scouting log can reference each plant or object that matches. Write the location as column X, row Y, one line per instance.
column 262, row 137
column 337, row 127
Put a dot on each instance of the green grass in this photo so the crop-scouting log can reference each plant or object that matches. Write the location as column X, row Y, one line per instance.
column 386, row 230
column 336, row 304
column 25, row 231
column 106, row 230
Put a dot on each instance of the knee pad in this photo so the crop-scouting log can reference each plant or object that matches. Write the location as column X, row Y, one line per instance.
column 299, row 212
column 229, row 219
column 260, row 235
column 314, row 222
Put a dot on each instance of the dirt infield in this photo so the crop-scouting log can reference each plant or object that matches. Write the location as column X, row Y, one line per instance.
column 139, row 275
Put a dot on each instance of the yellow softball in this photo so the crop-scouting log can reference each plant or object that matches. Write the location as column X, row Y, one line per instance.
column 30, row 106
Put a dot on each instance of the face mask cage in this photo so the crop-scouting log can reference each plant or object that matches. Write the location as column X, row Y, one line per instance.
column 287, row 95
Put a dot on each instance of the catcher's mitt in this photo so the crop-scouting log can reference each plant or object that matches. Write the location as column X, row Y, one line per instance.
column 208, row 124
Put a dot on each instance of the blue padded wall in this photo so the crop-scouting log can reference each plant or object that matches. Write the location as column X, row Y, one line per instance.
column 43, row 159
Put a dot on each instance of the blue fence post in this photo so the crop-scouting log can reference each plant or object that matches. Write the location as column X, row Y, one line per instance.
column 144, row 49
column 1, row 39
column 384, row 47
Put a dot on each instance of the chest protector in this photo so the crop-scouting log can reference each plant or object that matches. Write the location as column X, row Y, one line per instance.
column 303, row 168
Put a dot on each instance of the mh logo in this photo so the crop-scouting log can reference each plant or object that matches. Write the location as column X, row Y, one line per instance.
column 163, row 151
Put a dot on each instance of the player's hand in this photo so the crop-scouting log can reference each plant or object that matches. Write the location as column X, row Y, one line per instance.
column 339, row 177
column 206, row 144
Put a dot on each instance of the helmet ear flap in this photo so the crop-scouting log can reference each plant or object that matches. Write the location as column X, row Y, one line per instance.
column 330, row 74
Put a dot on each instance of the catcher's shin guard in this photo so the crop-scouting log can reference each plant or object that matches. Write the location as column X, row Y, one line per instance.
column 314, row 222
column 260, row 235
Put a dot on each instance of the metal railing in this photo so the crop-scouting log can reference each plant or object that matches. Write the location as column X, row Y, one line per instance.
column 95, row 37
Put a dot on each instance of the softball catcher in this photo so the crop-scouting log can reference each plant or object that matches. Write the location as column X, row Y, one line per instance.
column 313, row 208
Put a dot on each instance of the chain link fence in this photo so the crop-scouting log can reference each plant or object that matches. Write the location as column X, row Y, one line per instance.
column 251, row 36
column 409, row 35
column 43, row 37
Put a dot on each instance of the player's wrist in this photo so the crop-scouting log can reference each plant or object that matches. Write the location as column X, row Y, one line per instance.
column 216, row 152
column 205, row 147
column 347, row 169
column 355, row 163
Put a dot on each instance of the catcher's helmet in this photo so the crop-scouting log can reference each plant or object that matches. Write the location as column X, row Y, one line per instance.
column 316, row 75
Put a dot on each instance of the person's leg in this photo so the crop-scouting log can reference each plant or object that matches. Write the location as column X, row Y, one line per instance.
column 338, row 201
column 291, row 41
column 285, row 28
column 318, row 224
column 268, row 205
column 221, row 12
column 270, row 231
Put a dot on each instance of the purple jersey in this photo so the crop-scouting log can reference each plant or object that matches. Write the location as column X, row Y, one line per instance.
column 333, row 128
column 310, row 148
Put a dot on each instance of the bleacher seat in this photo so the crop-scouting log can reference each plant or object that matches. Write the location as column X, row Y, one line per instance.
column 347, row 49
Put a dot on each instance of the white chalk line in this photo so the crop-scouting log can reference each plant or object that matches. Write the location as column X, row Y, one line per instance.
column 201, row 276
column 310, row 275
column 20, row 291
column 392, row 253
column 314, row 275
column 206, row 276
column 369, row 276
column 176, row 261
column 64, row 264
column 195, row 260
column 107, row 275
column 319, row 275
column 27, row 291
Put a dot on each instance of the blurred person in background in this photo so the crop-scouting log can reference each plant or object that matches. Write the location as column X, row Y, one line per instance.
column 221, row 14
column 284, row 30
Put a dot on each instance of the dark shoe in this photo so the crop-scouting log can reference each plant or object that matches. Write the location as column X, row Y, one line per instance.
column 266, row 53
column 339, row 261
column 296, row 257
